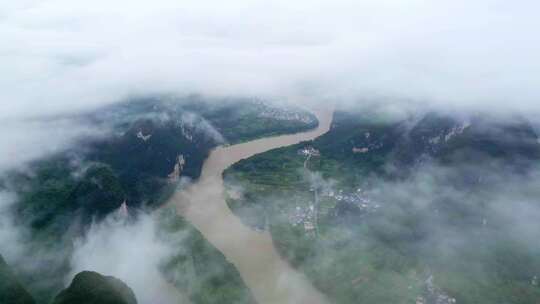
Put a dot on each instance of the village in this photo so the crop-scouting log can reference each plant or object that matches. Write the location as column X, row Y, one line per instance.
column 326, row 200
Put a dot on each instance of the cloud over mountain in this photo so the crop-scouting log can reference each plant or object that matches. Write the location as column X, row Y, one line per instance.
column 59, row 55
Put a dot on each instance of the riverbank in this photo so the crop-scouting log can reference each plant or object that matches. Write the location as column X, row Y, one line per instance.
column 203, row 203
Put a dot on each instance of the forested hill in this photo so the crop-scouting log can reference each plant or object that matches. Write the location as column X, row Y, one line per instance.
column 90, row 287
column 429, row 208
column 142, row 151
column 87, row 288
column 11, row 290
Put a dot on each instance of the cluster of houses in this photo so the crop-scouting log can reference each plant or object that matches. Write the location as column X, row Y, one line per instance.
column 307, row 216
column 309, row 151
column 358, row 198
column 304, row 216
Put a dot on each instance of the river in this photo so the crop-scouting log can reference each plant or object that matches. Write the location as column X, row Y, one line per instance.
column 271, row 280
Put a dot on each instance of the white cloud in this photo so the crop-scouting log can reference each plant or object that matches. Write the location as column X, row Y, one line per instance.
column 60, row 55
column 131, row 252
column 9, row 232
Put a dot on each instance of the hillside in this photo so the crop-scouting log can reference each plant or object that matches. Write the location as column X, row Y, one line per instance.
column 198, row 269
column 149, row 147
column 93, row 288
column 11, row 291
column 412, row 210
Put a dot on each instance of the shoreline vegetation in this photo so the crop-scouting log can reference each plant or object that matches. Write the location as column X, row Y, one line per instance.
column 59, row 197
column 253, row 253
column 339, row 208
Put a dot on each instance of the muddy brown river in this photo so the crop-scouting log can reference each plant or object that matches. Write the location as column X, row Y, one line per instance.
column 271, row 280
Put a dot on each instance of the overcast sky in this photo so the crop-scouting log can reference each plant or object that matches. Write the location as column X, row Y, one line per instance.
column 59, row 56
column 63, row 55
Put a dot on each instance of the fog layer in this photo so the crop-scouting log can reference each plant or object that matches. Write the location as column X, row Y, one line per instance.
column 60, row 55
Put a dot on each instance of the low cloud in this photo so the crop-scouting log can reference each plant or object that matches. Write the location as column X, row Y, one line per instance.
column 130, row 251
column 60, row 56
column 22, row 141
column 63, row 57
column 9, row 233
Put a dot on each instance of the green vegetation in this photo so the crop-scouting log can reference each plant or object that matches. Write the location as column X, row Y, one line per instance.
column 51, row 196
column 54, row 205
column 11, row 291
column 60, row 196
column 92, row 288
column 198, row 269
column 240, row 120
column 403, row 211
column 235, row 119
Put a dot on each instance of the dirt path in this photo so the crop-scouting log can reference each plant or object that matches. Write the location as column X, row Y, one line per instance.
column 271, row 280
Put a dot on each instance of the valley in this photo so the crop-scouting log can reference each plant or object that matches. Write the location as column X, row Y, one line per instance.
column 150, row 147
column 409, row 210
column 252, row 252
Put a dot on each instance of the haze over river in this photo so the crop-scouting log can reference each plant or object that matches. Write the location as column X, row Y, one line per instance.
column 271, row 280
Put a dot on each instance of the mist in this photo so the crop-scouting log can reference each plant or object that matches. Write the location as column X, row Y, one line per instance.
column 23, row 141
column 62, row 58
column 131, row 251
column 456, row 226
column 9, row 233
